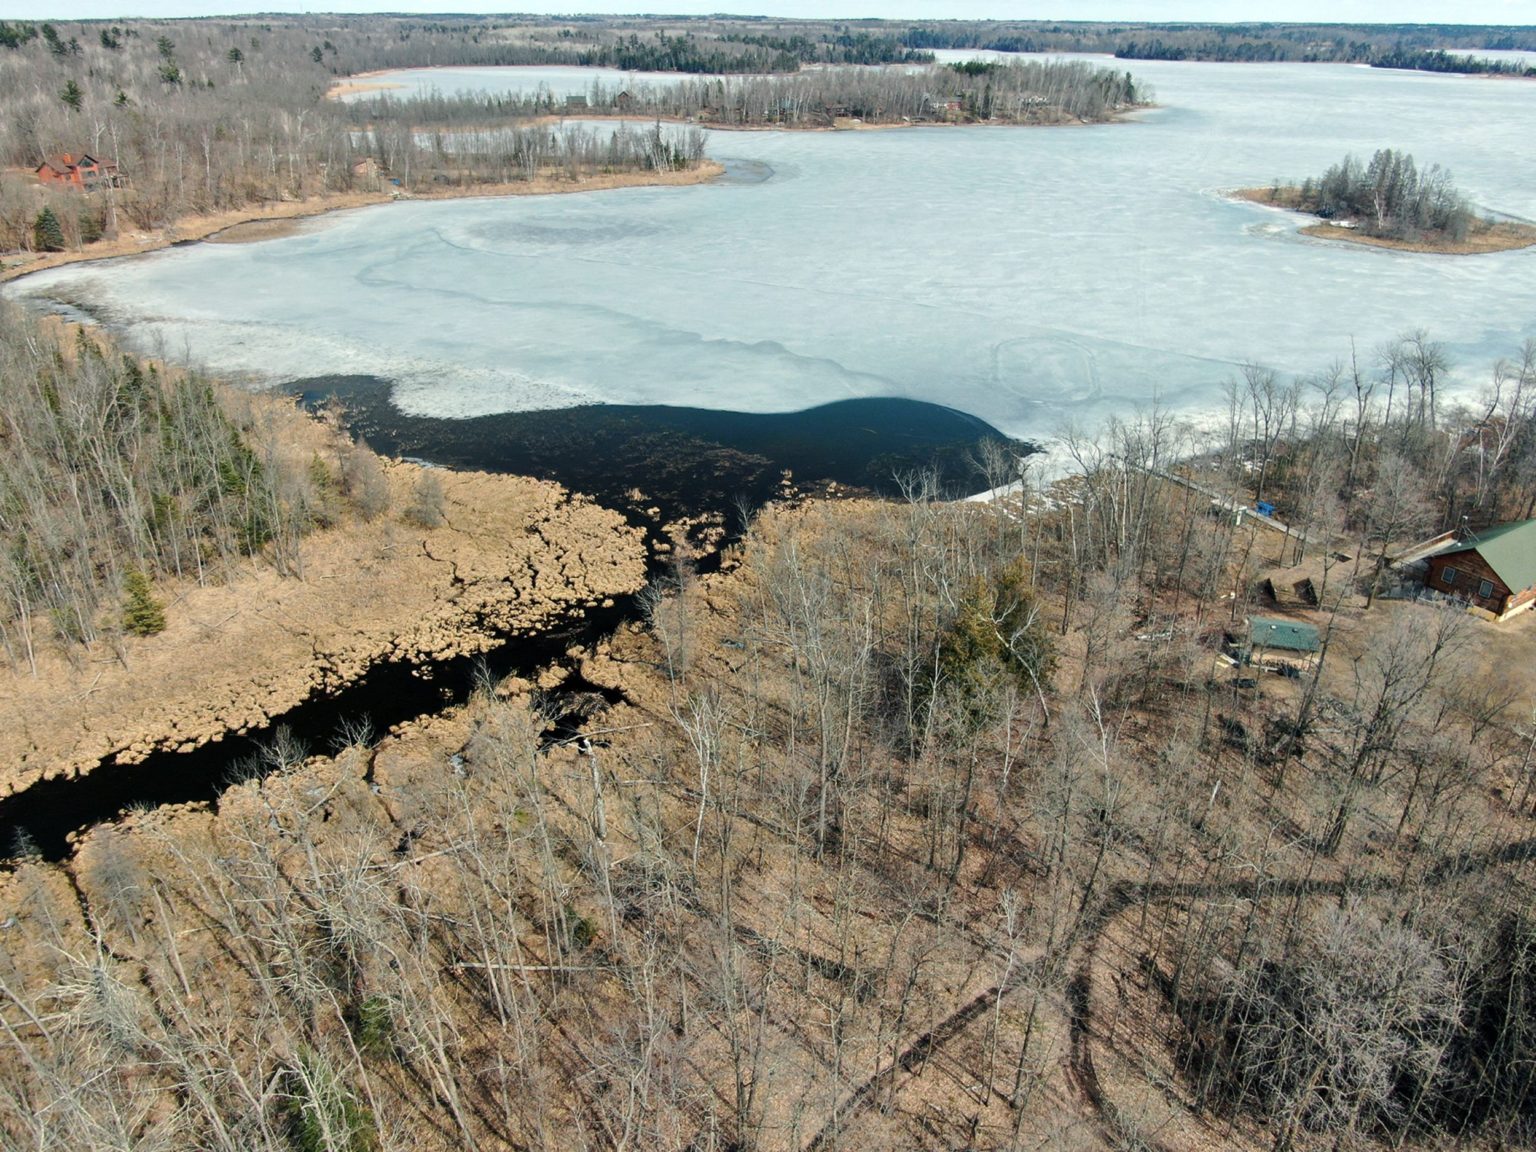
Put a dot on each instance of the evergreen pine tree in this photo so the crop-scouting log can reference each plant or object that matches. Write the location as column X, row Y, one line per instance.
column 91, row 227
column 143, row 615
column 47, row 232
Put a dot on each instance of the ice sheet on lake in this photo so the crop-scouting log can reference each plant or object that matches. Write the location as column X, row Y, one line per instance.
column 1029, row 277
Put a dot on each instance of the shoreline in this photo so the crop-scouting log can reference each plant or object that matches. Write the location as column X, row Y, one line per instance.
column 350, row 88
column 840, row 125
column 1485, row 239
column 274, row 219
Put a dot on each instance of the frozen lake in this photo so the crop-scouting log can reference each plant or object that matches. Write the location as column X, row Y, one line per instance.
column 1025, row 276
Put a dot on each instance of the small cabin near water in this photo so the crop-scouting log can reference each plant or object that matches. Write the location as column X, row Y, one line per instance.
column 1494, row 569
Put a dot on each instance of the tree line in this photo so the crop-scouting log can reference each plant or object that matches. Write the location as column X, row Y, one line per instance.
column 117, row 473
column 673, row 45
column 1436, row 47
column 1024, row 92
column 743, row 52
column 1017, row 92
column 507, row 155
column 1439, row 60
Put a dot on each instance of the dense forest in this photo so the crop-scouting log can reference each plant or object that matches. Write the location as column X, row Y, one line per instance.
column 741, row 52
column 917, row 824
column 677, row 44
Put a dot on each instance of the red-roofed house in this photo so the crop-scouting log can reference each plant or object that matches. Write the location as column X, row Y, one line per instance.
column 85, row 172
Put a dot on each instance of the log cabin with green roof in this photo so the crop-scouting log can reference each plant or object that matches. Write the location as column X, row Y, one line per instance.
column 1494, row 569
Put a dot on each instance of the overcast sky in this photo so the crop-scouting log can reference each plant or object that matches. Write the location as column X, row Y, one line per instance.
column 1357, row 11
column 1337, row 11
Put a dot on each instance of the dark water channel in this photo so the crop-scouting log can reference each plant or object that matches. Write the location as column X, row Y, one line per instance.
column 679, row 461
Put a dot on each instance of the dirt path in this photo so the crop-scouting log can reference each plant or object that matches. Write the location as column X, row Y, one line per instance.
column 912, row 1056
column 1126, row 895
column 1081, row 1070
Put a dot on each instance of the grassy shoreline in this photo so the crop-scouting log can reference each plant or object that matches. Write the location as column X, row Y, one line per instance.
column 1484, row 238
column 272, row 219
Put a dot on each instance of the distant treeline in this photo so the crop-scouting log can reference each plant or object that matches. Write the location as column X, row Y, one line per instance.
column 660, row 51
column 1435, row 48
column 1232, row 46
column 1031, row 91
column 1251, row 50
column 744, row 52
column 1439, row 60
column 745, row 45
column 369, row 43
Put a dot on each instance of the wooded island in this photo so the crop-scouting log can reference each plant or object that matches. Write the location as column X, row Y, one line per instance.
column 1392, row 203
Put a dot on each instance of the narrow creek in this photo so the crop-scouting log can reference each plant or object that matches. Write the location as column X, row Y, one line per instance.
column 40, row 819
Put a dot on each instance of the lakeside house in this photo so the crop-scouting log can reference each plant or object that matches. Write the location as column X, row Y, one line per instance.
column 1494, row 570
column 86, row 173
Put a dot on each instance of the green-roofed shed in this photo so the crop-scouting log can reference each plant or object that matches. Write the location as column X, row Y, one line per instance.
column 1282, row 635
column 1494, row 569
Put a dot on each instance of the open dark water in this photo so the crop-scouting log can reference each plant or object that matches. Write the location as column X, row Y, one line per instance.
column 685, row 461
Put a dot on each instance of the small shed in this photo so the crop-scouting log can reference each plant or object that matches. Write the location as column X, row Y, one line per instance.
column 367, row 170
column 1282, row 641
